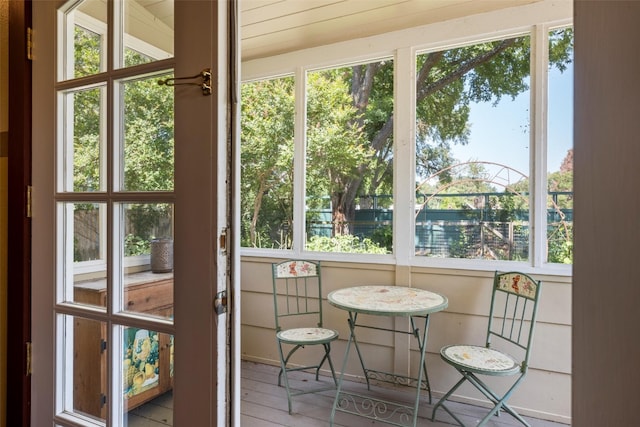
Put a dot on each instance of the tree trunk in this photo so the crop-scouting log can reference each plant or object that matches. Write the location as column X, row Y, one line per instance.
column 257, row 204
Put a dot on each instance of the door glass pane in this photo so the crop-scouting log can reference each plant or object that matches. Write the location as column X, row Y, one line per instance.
column 83, row 371
column 83, row 252
column 147, row 263
column 148, row 139
column 147, row 376
column 148, row 32
column 85, row 39
column 83, row 151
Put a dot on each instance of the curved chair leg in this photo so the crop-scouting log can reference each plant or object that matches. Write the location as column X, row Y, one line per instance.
column 285, row 360
column 327, row 351
column 284, row 371
column 498, row 402
column 444, row 399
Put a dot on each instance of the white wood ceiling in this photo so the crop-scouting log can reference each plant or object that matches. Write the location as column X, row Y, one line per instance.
column 270, row 27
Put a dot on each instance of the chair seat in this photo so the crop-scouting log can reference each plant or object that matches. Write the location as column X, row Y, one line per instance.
column 307, row 335
column 480, row 359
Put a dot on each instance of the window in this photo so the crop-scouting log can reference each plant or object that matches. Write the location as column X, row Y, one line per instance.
column 472, row 151
column 349, row 158
column 560, row 148
column 474, row 143
column 489, row 146
column 268, row 110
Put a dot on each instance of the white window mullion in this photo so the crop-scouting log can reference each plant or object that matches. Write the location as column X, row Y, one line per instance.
column 65, row 67
column 65, row 151
column 64, row 357
column 104, row 154
column 404, row 155
column 299, row 161
column 538, row 165
column 117, row 365
column 66, row 229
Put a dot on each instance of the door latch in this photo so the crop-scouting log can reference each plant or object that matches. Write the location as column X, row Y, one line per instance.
column 204, row 75
column 223, row 241
column 220, row 303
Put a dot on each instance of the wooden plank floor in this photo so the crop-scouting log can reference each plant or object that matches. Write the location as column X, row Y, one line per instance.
column 264, row 404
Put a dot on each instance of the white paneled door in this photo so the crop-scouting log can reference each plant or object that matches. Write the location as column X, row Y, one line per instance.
column 133, row 257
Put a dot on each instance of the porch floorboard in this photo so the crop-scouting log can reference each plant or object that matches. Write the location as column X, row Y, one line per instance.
column 264, row 404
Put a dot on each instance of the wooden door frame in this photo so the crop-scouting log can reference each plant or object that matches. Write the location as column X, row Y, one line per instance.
column 18, row 402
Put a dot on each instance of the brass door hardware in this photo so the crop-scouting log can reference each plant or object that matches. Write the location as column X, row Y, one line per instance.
column 205, row 75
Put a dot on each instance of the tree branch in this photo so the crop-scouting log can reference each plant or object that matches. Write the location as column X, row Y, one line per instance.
column 464, row 68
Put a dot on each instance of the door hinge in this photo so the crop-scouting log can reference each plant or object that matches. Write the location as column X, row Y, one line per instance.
column 28, row 359
column 29, row 44
column 29, row 191
column 103, row 346
column 220, row 303
column 103, row 400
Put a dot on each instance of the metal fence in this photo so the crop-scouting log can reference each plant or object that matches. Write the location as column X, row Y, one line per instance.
column 480, row 226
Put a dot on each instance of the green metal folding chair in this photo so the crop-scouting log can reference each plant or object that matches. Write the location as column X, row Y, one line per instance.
column 512, row 319
column 297, row 299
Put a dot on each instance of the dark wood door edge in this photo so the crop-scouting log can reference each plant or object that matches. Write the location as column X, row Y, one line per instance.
column 19, row 226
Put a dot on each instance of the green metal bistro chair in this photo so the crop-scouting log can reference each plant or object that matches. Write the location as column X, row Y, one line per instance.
column 512, row 319
column 297, row 299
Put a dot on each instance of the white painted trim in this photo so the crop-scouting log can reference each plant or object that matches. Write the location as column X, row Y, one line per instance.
column 404, row 157
column 538, row 144
column 299, row 162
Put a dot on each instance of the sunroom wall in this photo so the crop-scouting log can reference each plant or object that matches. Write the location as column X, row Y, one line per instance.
column 546, row 393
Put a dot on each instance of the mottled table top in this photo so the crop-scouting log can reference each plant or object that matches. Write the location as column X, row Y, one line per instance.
column 386, row 300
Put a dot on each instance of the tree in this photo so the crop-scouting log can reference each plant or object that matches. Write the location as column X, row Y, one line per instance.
column 267, row 159
column 337, row 150
column 350, row 116
column 447, row 83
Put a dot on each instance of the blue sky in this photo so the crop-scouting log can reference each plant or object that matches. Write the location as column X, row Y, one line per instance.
column 500, row 134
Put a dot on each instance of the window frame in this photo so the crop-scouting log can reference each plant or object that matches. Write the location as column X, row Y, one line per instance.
column 535, row 20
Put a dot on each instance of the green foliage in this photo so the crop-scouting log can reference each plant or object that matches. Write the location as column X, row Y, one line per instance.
column 449, row 81
column 561, row 48
column 383, row 237
column 86, row 52
column 560, row 243
column 337, row 145
column 460, row 245
column 344, row 243
column 266, row 161
column 135, row 245
column 87, row 140
column 147, row 141
column 350, row 115
column 148, row 135
column 148, row 125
